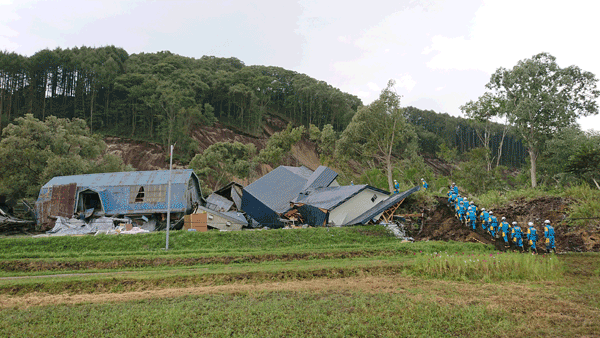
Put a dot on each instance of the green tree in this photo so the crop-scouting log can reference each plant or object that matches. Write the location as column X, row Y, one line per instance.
column 449, row 155
column 32, row 152
column 473, row 174
column 480, row 113
column 279, row 145
column 541, row 98
column 378, row 131
column 222, row 161
column 584, row 162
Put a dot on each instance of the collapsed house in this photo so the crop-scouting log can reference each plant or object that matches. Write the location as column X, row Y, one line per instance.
column 137, row 196
column 301, row 195
column 224, row 208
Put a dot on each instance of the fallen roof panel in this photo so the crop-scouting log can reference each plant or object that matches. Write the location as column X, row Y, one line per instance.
column 277, row 188
column 322, row 177
column 382, row 206
column 330, row 197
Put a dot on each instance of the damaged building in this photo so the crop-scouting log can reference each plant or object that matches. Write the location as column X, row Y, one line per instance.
column 315, row 198
column 138, row 195
column 224, row 208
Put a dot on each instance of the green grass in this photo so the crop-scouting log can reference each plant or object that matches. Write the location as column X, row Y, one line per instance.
column 216, row 243
column 586, row 210
column 489, row 267
column 276, row 314
column 497, row 199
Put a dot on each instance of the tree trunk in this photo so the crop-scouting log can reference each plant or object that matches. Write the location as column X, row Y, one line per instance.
column 500, row 146
column 92, row 111
column 388, row 163
column 533, row 158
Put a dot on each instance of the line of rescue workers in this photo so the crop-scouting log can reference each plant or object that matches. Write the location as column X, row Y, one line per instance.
column 512, row 235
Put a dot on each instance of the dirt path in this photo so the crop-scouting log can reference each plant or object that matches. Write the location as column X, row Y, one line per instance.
column 386, row 284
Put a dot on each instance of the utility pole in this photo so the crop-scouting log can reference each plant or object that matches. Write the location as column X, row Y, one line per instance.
column 169, row 198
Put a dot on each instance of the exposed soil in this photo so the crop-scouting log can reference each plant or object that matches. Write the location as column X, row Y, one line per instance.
column 140, row 155
column 440, row 224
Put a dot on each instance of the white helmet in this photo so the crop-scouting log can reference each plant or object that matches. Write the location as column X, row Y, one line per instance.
column 504, row 218
column 530, row 224
column 491, row 212
column 472, row 202
column 482, row 209
column 453, row 183
column 547, row 221
column 422, row 180
column 514, row 223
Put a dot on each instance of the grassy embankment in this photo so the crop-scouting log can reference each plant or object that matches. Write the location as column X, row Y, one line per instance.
column 584, row 209
column 313, row 282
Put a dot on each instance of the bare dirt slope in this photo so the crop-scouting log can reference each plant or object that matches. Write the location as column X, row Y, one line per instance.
column 153, row 156
column 440, row 224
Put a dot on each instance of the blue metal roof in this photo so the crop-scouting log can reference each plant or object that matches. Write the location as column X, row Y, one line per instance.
column 382, row 206
column 322, row 177
column 330, row 197
column 276, row 189
column 117, row 191
column 218, row 203
column 302, row 171
column 180, row 176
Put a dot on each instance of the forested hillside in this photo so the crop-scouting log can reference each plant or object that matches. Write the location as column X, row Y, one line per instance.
column 153, row 95
column 167, row 98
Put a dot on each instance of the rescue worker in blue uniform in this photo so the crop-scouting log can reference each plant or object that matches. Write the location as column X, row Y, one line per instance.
column 425, row 185
column 465, row 211
column 510, row 235
column 493, row 222
column 532, row 237
column 549, row 235
column 396, row 187
column 504, row 229
column 452, row 199
column 484, row 219
column 461, row 211
column 454, row 188
column 517, row 236
column 472, row 214
column 459, row 199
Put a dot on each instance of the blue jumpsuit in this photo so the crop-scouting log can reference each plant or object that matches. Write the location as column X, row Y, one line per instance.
column 484, row 219
column 549, row 234
column 517, row 236
column 505, row 227
column 425, row 185
column 532, row 237
column 472, row 217
column 461, row 211
column 455, row 188
column 493, row 225
column 396, row 188
column 452, row 199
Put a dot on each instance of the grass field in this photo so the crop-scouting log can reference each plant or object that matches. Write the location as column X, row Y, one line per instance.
column 318, row 282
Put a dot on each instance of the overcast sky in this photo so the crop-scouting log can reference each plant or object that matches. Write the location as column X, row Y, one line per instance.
column 441, row 53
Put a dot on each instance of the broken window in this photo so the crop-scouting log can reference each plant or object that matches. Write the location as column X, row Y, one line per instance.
column 374, row 198
column 140, row 195
column 148, row 194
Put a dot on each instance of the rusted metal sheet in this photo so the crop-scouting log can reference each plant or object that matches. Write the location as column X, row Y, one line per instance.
column 62, row 203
